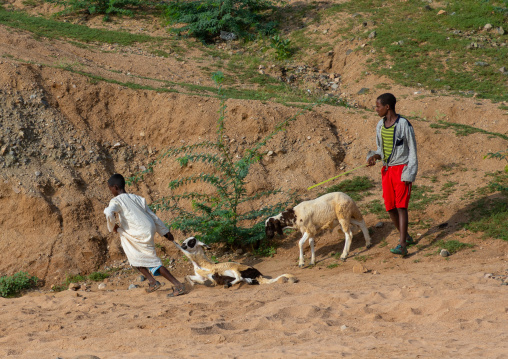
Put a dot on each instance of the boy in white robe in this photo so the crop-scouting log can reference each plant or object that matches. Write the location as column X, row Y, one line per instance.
column 137, row 225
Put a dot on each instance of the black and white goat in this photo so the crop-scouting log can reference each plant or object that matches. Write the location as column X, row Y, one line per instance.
column 226, row 273
column 325, row 212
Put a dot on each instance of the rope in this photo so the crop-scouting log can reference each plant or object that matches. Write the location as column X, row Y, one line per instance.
column 330, row 179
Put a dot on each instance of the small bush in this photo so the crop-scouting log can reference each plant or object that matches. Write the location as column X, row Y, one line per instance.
column 221, row 216
column 282, row 47
column 12, row 285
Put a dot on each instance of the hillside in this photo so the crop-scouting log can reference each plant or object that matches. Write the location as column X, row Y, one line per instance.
column 73, row 112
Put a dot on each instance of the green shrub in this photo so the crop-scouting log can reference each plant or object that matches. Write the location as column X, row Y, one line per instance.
column 206, row 19
column 219, row 214
column 12, row 285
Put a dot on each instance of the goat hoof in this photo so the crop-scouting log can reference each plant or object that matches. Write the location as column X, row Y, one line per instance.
column 343, row 259
column 301, row 265
column 369, row 245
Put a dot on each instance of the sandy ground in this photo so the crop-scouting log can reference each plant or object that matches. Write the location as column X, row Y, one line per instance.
column 443, row 308
column 422, row 306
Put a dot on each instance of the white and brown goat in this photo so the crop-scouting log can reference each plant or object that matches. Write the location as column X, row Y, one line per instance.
column 325, row 212
column 226, row 273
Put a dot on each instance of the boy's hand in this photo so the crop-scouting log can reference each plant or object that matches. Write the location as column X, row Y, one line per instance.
column 169, row 236
column 372, row 160
column 116, row 228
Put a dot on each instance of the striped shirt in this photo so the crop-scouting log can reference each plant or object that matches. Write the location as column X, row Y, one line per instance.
column 387, row 136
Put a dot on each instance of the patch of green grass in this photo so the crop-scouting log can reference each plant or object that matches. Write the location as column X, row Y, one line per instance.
column 421, row 197
column 74, row 279
column 491, row 218
column 333, row 265
column 448, row 188
column 265, row 250
column 30, row 3
column 53, row 29
column 378, row 208
column 416, row 46
column 465, row 130
column 13, row 285
column 361, row 258
column 98, row 276
column 353, row 187
column 453, row 246
column 161, row 53
column 383, row 86
column 383, row 244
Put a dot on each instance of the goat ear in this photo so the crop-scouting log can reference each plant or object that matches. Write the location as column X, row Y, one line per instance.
column 278, row 228
column 204, row 245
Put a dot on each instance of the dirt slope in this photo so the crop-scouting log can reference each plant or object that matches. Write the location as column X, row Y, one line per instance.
column 62, row 135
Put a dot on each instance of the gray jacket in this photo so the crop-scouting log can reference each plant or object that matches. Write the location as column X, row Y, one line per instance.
column 404, row 148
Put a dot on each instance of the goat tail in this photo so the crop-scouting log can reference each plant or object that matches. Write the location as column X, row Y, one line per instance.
column 286, row 278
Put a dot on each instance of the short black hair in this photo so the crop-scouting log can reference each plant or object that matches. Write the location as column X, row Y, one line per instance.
column 117, row 180
column 388, row 99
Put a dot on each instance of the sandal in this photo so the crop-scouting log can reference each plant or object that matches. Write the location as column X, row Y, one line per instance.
column 399, row 250
column 153, row 287
column 180, row 290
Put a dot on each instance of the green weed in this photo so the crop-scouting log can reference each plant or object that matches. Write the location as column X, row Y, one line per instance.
column 13, row 285
column 98, row 276
column 378, row 208
column 361, row 258
column 421, row 197
column 264, row 250
column 282, row 47
column 333, row 265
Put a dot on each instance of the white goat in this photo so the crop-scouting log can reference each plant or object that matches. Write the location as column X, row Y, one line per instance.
column 325, row 212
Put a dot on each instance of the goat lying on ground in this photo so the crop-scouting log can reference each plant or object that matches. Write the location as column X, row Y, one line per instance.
column 227, row 273
column 325, row 212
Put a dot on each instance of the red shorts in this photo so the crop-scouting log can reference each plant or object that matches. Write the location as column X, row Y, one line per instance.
column 396, row 193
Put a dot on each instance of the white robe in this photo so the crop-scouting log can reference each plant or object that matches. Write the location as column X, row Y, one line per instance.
column 137, row 227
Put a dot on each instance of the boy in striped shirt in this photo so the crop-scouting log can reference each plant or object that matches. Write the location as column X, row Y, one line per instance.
column 396, row 147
